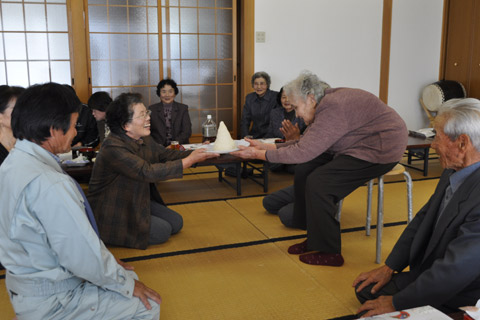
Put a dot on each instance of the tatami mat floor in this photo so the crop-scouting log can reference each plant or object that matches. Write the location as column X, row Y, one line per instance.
column 230, row 261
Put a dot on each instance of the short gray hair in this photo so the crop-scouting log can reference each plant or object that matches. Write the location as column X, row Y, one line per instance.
column 262, row 74
column 306, row 83
column 462, row 116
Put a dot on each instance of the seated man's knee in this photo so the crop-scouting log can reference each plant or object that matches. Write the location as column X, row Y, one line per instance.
column 365, row 294
column 145, row 314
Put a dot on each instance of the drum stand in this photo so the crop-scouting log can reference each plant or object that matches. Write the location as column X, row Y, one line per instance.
column 430, row 116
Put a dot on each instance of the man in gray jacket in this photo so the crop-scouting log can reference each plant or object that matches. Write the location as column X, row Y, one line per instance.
column 441, row 244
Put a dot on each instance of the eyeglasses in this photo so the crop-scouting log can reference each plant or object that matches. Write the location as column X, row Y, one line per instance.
column 144, row 116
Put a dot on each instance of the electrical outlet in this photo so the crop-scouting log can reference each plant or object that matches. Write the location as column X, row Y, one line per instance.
column 260, row 36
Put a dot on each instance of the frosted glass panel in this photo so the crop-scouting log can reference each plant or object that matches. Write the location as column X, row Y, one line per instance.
column 154, row 72
column 96, row 2
column 120, row 2
column 60, row 71
column 189, row 72
column 172, row 25
column 35, row 17
column 225, row 71
column 37, row 46
column 55, row 1
column 3, row 78
column 207, row 46
column 15, row 46
column 137, row 2
column 188, row 20
column 57, row 17
column 196, row 122
column 224, row 47
column 119, row 46
column 207, row 97
column 207, row 72
column 12, row 14
column 97, row 19
column 153, row 95
column 224, row 3
column 17, row 74
column 171, row 47
column 188, row 3
column 118, row 19
column 190, row 96
column 172, row 69
column 139, row 72
column 117, row 91
column 138, row 19
column 206, row 20
column 224, row 21
column 225, row 96
column 138, row 46
column 120, row 73
column 39, row 72
column 99, row 46
column 144, row 91
column 164, row 23
column 59, row 48
column 189, row 46
column 100, row 73
column 2, row 57
column 152, row 2
column 153, row 46
column 227, row 117
column 152, row 20
column 206, row 3
column 172, row 2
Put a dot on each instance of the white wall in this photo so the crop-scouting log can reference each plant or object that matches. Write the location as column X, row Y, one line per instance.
column 414, row 56
column 340, row 41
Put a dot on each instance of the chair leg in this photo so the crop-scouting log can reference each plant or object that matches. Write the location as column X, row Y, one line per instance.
column 339, row 210
column 368, row 223
column 408, row 179
column 379, row 220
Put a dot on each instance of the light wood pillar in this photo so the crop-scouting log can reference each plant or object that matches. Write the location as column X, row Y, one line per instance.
column 79, row 49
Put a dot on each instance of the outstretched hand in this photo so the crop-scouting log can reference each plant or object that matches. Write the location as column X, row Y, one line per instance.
column 144, row 293
column 198, row 155
column 245, row 152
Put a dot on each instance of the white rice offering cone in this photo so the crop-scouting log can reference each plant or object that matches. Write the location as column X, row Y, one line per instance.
column 224, row 141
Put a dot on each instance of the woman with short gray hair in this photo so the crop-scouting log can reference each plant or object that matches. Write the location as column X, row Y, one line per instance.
column 257, row 108
column 351, row 138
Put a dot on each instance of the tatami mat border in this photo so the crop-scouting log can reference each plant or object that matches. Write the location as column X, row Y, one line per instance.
column 240, row 244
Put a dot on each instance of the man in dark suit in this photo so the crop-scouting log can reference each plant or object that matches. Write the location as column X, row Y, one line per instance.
column 169, row 120
column 441, row 245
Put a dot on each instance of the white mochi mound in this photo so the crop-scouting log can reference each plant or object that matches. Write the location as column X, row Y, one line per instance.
column 224, row 141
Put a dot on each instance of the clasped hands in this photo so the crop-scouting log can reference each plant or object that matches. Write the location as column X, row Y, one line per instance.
column 383, row 304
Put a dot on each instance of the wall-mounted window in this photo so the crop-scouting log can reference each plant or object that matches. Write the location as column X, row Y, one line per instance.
column 34, row 42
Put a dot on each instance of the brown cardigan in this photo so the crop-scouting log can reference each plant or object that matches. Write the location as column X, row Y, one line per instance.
column 123, row 183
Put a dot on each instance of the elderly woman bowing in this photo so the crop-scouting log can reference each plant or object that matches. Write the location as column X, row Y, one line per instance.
column 122, row 192
column 351, row 137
